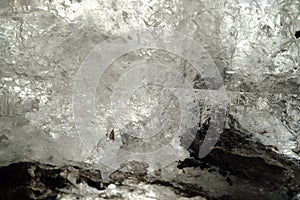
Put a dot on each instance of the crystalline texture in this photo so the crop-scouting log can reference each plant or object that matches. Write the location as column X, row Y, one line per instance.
column 44, row 43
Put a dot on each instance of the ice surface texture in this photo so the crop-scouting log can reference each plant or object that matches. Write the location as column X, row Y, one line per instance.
column 43, row 44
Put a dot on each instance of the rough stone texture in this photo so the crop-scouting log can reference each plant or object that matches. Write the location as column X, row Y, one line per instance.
column 237, row 168
column 254, row 45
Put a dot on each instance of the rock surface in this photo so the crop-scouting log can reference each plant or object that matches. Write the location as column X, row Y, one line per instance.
column 237, row 168
column 255, row 47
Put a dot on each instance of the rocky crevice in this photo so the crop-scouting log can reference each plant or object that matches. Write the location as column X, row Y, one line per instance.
column 242, row 167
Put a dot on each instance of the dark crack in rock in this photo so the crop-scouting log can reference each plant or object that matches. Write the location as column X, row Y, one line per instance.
column 28, row 180
column 253, row 170
column 238, row 168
